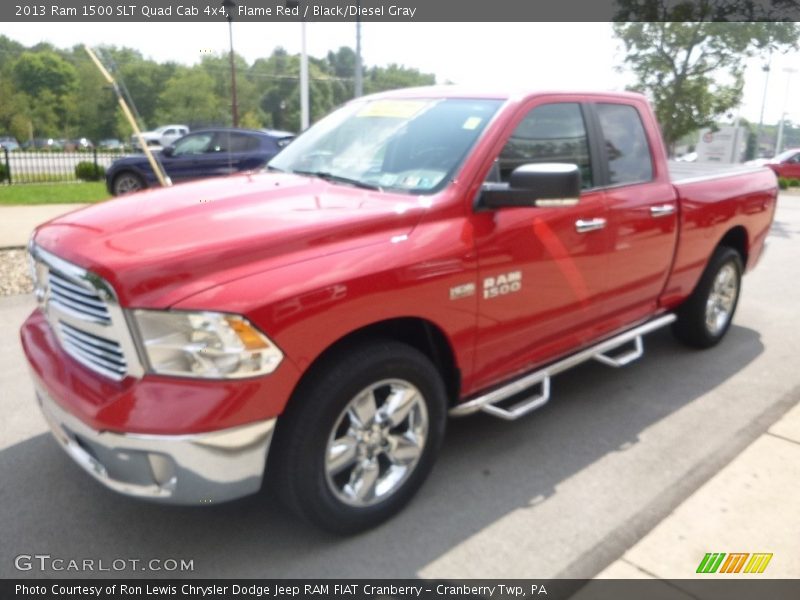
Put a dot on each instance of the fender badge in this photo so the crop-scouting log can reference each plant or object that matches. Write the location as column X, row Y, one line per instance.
column 462, row 291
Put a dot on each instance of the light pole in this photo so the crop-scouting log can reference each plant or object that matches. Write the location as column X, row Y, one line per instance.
column 304, row 101
column 229, row 6
column 304, row 107
column 766, row 69
column 358, row 82
column 779, row 142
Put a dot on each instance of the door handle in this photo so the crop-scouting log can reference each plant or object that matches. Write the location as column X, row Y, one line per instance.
column 586, row 225
column 662, row 210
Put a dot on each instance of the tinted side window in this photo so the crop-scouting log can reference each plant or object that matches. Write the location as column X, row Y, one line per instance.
column 626, row 144
column 193, row 144
column 236, row 142
column 549, row 133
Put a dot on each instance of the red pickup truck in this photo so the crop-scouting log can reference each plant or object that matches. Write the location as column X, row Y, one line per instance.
column 414, row 254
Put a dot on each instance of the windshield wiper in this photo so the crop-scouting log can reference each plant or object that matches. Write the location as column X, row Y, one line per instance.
column 327, row 176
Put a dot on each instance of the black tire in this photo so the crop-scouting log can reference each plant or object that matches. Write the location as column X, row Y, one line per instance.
column 303, row 446
column 700, row 324
column 127, row 182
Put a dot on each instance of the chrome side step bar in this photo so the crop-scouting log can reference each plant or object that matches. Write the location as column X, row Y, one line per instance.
column 488, row 402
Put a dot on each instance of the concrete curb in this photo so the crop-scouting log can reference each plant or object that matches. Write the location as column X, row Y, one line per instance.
column 751, row 506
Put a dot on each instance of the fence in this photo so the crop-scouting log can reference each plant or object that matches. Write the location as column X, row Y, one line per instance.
column 20, row 166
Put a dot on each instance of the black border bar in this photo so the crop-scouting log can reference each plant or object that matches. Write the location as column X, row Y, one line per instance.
column 714, row 587
column 188, row 11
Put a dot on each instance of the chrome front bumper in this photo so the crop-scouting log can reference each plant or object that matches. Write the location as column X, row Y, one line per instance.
column 203, row 468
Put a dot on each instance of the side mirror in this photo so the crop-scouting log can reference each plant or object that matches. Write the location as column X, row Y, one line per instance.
column 535, row 184
column 168, row 150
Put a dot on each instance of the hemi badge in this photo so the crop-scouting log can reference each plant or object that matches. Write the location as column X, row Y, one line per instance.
column 462, row 291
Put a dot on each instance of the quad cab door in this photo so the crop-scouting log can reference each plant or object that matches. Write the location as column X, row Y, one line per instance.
column 642, row 211
column 542, row 271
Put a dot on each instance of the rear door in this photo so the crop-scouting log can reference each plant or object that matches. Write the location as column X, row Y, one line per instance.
column 230, row 152
column 642, row 210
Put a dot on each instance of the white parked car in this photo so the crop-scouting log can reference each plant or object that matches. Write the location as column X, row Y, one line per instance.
column 163, row 136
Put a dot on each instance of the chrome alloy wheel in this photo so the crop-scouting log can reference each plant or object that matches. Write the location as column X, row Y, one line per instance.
column 376, row 442
column 721, row 300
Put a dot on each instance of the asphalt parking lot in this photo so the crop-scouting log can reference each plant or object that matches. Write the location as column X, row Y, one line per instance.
column 561, row 493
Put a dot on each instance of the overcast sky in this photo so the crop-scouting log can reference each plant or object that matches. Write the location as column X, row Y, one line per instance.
column 495, row 55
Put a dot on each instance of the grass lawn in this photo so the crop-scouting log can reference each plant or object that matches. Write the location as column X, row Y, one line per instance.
column 53, row 193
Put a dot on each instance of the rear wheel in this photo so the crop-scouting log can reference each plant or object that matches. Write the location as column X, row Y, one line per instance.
column 360, row 437
column 704, row 318
column 126, row 183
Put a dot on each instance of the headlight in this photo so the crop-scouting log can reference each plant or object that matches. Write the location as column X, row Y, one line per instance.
column 205, row 344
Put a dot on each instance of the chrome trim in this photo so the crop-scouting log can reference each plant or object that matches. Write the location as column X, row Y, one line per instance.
column 586, row 225
column 201, row 468
column 487, row 401
column 722, row 299
column 95, row 353
column 71, row 296
column 556, row 202
column 662, row 210
column 376, row 443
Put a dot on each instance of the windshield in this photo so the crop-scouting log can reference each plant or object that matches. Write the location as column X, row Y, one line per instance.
column 412, row 145
column 786, row 154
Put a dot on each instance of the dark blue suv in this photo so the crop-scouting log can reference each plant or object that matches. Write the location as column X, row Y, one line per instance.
column 202, row 153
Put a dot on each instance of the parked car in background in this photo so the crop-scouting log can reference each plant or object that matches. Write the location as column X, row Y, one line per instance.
column 786, row 164
column 163, row 136
column 44, row 144
column 9, row 143
column 204, row 153
column 78, row 144
column 111, row 144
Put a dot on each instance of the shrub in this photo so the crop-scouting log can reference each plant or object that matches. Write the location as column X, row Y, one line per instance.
column 3, row 173
column 783, row 183
column 794, row 183
column 88, row 171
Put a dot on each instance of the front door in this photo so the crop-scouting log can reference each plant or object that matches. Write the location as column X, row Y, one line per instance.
column 541, row 270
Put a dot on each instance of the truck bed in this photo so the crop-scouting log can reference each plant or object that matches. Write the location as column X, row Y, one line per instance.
column 689, row 172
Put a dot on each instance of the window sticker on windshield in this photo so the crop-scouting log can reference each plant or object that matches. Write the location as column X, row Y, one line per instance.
column 395, row 109
column 472, row 123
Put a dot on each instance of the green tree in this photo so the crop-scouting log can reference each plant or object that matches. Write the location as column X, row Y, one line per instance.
column 694, row 71
column 34, row 72
column 379, row 79
column 218, row 67
column 92, row 104
column 143, row 79
column 46, row 80
column 189, row 98
column 9, row 51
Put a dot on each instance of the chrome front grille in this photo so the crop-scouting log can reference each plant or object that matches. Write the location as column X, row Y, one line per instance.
column 82, row 300
column 95, row 352
column 83, row 310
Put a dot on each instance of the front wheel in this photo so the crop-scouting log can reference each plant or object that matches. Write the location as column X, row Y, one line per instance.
column 360, row 437
column 127, row 183
column 704, row 318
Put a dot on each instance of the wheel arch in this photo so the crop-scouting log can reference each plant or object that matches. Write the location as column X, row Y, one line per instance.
column 127, row 170
column 417, row 332
column 737, row 239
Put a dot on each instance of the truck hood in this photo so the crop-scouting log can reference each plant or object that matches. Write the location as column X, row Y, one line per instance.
column 158, row 247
